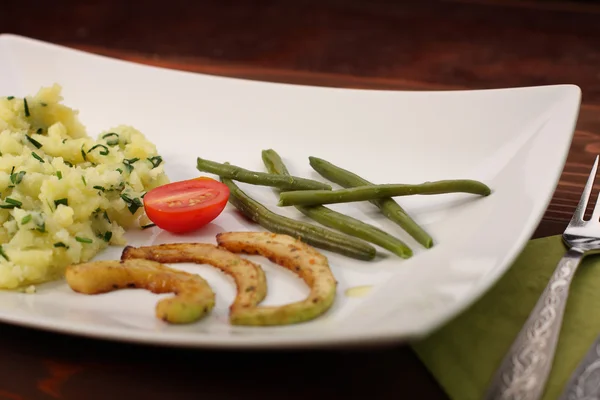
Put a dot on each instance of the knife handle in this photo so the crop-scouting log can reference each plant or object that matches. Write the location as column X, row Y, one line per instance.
column 525, row 368
column 585, row 381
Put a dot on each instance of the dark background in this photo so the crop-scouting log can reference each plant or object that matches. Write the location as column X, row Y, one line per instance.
column 448, row 44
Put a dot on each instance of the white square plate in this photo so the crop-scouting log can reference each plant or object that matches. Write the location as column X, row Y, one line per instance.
column 515, row 140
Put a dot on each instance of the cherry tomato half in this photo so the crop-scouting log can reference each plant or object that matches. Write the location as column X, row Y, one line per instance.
column 186, row 205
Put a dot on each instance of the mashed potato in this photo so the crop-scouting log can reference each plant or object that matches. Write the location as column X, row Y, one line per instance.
column 63, row 195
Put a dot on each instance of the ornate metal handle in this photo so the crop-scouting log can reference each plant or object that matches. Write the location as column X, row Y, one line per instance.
column 585, row 381
column 524, row 370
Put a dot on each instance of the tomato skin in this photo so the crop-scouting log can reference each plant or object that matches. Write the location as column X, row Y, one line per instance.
column 186, row 206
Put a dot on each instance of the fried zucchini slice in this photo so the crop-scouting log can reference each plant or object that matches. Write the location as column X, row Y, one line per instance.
column 249, row 277
column 193, row 296
column 296, row 256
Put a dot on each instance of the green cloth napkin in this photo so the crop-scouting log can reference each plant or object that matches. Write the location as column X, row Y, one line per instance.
column 464, row 354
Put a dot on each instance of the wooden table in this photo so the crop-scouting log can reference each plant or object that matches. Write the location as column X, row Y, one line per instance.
column 418, row 45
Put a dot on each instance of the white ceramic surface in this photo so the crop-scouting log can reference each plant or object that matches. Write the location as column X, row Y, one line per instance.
column 516, row 140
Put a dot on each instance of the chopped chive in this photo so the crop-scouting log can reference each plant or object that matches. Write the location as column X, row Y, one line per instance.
column 156, row 161
column 133, row 204
column 40, row 159
column 17, row 178
column 120, row 170
column 43, row 104
column 68, row 163
column 3, row 254
column 83, row 240
column 148, row 226
column 59, row 174
column 107, row 236
column 83, row 153
column 14, row 202
column 41, row 227
column 26, row 107
column 112, row 142
column 64, row 141
column 25, row 220
column 100, row 188
column 64, row 202
column 129, row 163
column 39, row 131
column 102, row 152
column 7, row 206
column 10, row 97
column 61, row 244
column 106, row 217
column 83, row 180
column 34, row 142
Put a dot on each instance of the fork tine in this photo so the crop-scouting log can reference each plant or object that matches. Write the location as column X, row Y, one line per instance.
column 596, row 213
column 585, row 195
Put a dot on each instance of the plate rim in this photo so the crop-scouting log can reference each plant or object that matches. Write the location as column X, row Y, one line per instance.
column 318, row 338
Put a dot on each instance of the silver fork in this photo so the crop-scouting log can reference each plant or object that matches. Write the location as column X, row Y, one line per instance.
column 584, row 383
column 523, row 373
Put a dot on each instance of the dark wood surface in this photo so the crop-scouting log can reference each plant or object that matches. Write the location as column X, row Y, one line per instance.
column 418, row 45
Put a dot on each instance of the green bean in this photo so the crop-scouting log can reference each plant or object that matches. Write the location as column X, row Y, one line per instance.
column 388, row 206
column 339, row 221
column 308, row 233
column 362, row 193
column 258, row 178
